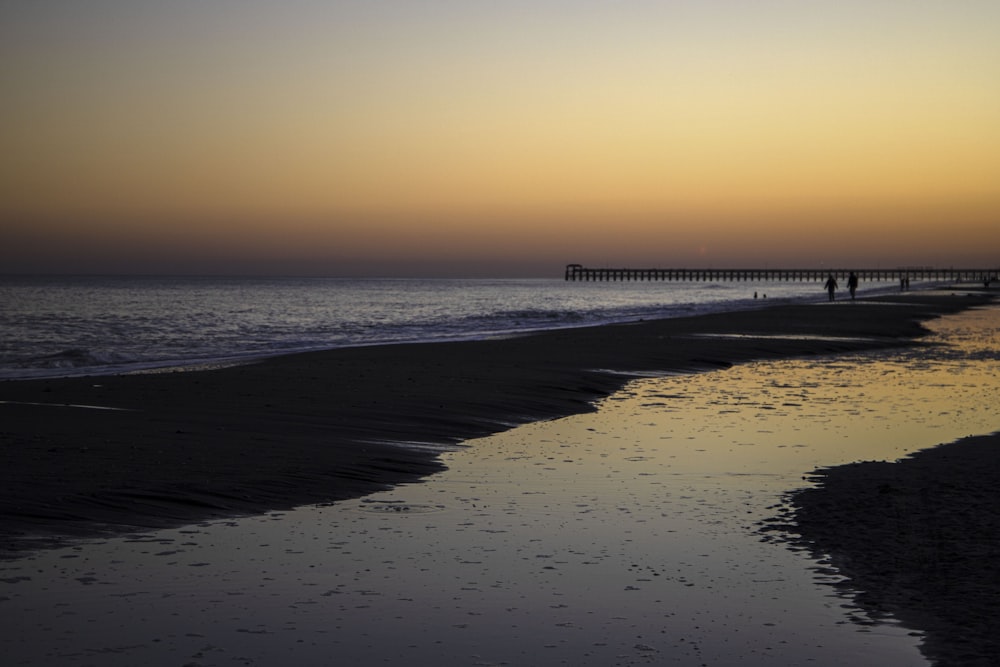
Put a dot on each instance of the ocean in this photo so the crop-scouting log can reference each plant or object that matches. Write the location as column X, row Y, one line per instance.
column 99, row 325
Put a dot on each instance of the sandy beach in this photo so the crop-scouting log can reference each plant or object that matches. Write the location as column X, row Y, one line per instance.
column 628, row 532
column 86, row 455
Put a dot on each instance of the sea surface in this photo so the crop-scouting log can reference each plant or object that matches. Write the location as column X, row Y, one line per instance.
column 60, row 326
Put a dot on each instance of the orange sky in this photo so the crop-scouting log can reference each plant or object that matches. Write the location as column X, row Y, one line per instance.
column 497, row 138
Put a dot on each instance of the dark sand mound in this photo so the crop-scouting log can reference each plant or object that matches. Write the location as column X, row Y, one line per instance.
column 918, row 539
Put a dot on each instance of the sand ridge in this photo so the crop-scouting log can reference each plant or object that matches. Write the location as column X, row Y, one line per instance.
column 918, row 539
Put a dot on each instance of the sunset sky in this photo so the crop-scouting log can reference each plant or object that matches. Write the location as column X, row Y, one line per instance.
column 497, row 138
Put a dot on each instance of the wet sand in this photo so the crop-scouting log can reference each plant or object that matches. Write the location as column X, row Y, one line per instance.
column 629, row 534
column 917, row 537
column 188, row 446
column 917, row 540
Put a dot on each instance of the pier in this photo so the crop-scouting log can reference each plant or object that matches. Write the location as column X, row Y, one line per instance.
column 578, row 272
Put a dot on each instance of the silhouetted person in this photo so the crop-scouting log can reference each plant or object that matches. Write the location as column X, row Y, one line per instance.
column 852, row 284
column 831, row 286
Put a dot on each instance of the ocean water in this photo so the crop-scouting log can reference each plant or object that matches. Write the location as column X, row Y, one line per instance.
column 59, row 326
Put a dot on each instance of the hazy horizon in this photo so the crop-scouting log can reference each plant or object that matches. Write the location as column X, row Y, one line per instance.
column 448, row 138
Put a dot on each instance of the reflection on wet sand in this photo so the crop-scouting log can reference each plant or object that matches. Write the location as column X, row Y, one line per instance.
column 916, row 538
column 624, row 536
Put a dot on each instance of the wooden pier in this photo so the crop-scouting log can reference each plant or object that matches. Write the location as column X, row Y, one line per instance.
column 582, row 273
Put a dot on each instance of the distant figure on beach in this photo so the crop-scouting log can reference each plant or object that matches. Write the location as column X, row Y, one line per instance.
column 852, row 284
column 831, row 286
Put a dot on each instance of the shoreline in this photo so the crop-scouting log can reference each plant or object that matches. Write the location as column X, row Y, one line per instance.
column 511, row 314
column 322, row 426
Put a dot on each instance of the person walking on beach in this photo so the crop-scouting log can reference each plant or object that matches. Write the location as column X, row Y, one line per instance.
column 852, row 284
column 831, row 286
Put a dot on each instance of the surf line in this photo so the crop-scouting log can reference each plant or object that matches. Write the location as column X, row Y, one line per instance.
column 69, row 405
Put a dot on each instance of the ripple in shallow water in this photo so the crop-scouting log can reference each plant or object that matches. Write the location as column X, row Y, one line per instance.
column 397, row 507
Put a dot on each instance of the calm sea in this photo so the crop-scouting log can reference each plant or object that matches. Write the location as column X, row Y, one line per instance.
column 57, row 326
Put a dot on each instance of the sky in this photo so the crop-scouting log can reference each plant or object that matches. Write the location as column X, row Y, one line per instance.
column 493, row 138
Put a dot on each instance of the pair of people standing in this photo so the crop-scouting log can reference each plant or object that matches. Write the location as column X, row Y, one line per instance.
column 852, row 285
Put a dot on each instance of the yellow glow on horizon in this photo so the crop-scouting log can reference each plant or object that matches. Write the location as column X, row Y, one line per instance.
column 442, row 125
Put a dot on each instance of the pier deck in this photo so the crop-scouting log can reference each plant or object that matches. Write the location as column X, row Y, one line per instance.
column 578, row 272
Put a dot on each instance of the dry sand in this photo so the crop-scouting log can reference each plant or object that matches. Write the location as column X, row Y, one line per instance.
column 187, row 446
